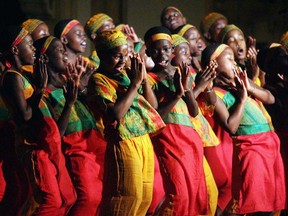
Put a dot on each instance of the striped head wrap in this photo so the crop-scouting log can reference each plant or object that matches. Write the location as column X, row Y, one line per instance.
column 211, row 52
column 108, row 40
column 183, row 29
column 218, row 51
column 166, row 9
column 31, row 24
column 22, row 34
column 177, row 39
column 95, row 22
column 42, row 45
column 46, row 44
column 226, row 30
column 209, row 20
column 63, row 27
column 157, row 33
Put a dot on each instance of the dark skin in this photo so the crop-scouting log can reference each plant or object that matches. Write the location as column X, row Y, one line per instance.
column 161, row 53
column 23, row 54
column 75, row 44
column 172, row 19
column 41, row 31
column 114, row 61
column 63, row 75
column 212, row 34
column 234, row 79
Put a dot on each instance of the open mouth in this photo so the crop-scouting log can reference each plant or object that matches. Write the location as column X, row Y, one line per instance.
column 83, row 44
column 240, row 51
column 163, row 63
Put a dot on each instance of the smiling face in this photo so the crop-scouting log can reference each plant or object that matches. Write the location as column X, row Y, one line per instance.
column 26, row 50
column 182, row 54
column 172, row 19
column 41, row 31
column 161, row 53
column 235, row 39
column 114, row 60
column 57, row 56
column 76, row 39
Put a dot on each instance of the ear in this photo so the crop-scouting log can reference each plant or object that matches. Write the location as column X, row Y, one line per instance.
column 184, row 20
column 64, row 40
column 14, row 50
column 93, row 36
column 207, row 35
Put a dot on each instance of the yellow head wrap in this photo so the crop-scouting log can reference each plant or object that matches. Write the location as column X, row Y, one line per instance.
column 209, row 20
column 218, row 51
column 184, row 28
column 95, row 22
column 225, row 30
column 177, row 39
column 31, row 24
column 108, row 40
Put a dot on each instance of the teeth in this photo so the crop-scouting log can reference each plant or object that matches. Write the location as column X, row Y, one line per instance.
column 83, row 43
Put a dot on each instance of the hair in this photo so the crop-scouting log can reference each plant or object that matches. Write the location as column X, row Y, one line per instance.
column 148, row 37
column 207, row 54
column 9, row 35
column 64, row 26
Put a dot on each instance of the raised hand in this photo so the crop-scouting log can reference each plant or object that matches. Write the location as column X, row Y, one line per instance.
column 178, row 84
column 129, row 31
column 252, row 66
column 40, row 73
column 185, row 72
column 73, row 80
column 138, row 70
column 204, row 79
column 240, row 87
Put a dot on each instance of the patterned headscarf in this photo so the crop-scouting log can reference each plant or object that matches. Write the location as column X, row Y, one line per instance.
column 95, row 22
column 42, row 45
column 226, row 30
column 63, row 27
column 209, row 20
column 108, row 40
column 183, row 29
column 11, row 36
column 157, row 33
column 177, row 39
column 31, row 24
column 211, row 52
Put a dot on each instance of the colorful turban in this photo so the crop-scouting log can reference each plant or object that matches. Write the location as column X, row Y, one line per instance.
column 284, row 40
column 31, row 24
column 95, row 22
column 42, row 45
column 225, row 30
column 108, row 40
column 157, row 33
column 209, row 20
column 63, row 27
column 177, row 39
column 167, row 8
column 181, row 30
column 211, row 52
column 11, row 36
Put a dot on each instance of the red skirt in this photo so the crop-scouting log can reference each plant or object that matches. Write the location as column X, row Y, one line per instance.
column 180, row 153
column 258, row 182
